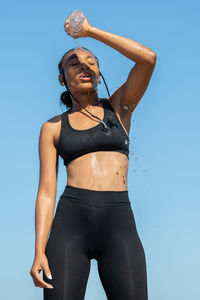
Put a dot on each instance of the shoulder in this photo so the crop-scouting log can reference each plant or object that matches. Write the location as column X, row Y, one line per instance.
column 51, row 123
column 50, row 129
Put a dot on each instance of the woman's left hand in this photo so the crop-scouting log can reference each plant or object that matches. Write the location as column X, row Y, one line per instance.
column 85, row 28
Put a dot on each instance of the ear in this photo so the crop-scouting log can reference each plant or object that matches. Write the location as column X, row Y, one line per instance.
column 60, row 77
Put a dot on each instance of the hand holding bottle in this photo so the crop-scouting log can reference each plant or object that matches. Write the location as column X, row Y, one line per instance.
column 77, row 25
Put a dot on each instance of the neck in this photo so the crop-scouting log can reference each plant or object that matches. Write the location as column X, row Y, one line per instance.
column 87, row 100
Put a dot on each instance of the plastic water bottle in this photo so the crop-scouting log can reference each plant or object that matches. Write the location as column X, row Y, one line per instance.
column 76, row 20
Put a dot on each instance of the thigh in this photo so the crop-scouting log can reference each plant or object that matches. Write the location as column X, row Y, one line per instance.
column 121, row 263
column 67, row 254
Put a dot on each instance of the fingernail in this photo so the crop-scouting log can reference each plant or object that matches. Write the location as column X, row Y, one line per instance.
column 50, row 287
column 49, row 276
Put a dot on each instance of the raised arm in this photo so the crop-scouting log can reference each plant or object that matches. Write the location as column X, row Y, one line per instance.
column 45, row 203
column 131, row 92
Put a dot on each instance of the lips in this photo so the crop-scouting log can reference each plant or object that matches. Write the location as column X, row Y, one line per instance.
column 85, row 76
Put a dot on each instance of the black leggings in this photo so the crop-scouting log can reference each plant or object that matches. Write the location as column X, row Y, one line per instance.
column 90, row 224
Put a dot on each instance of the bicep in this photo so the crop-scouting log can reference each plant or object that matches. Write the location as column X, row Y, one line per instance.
column 48, row 162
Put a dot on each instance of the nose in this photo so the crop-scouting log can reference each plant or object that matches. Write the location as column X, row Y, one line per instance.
column 84, row 66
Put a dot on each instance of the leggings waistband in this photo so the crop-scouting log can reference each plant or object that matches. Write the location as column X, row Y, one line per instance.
column 94, row 196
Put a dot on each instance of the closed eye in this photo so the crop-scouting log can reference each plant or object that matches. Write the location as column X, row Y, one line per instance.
column 74, row 64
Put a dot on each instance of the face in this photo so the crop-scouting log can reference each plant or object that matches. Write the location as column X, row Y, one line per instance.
column 75, row 64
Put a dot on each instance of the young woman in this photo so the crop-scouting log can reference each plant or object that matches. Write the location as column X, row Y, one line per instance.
column 94, row 217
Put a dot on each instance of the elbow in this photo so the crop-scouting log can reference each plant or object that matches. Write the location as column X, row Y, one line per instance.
column 153, row 58
column 150, row 58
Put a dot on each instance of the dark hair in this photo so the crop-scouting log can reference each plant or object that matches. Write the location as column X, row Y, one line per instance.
column 65, row 96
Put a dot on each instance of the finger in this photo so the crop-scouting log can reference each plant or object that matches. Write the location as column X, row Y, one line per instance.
column 66, row 27
column 69, row 33
column 47, row 271
column 66, row 24
column 66, row 21
column 39, row 282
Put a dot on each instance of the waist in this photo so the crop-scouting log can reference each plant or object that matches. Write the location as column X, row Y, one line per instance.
column 95, row 196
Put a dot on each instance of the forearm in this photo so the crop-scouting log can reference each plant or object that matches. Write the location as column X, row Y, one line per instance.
column 130, row 48
column 44, row 210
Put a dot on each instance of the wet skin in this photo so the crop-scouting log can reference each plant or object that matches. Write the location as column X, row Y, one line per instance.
column 101, row 170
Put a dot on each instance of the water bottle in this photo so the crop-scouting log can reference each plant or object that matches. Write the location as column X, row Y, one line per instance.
column 76, row 20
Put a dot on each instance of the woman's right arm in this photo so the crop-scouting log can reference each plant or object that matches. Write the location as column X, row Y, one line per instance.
column 45, row 202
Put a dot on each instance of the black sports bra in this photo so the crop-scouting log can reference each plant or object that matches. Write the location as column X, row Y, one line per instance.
column 75, row 143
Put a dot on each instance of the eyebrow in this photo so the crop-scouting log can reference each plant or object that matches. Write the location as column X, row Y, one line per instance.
column 75, row 56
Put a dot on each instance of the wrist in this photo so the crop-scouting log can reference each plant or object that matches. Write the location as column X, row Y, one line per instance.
column 91, row 31
column 39, row 250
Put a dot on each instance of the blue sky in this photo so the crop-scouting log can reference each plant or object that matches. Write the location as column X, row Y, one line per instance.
column 163, row 178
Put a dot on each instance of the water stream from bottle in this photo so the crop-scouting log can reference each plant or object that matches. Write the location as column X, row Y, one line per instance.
column 77, row 45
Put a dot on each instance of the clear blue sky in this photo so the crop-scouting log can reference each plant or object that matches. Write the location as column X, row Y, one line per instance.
column 164, row 169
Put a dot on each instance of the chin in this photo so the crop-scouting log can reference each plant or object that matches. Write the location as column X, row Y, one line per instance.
column 86, row 87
